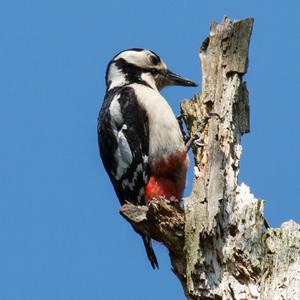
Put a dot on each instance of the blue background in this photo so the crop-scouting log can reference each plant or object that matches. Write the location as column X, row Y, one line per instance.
column 61, row 236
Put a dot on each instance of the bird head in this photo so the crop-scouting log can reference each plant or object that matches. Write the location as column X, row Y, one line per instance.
column 141, row 66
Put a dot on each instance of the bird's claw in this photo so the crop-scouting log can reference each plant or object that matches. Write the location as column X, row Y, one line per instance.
column 198, row 138
column 203, row 122
column 199, row 143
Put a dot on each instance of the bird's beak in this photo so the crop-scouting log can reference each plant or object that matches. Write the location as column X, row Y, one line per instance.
column 174, row 79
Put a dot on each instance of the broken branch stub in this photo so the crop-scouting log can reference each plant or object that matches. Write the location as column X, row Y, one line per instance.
column 163, row 220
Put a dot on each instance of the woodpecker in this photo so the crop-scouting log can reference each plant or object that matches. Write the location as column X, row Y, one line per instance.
column 140, row 141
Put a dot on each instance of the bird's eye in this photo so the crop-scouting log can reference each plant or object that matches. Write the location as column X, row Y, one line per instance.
column 154, row 60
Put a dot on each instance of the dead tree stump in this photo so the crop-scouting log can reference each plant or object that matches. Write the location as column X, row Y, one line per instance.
column 217, row 245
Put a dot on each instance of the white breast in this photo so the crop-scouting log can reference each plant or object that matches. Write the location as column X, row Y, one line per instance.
column 164, row 132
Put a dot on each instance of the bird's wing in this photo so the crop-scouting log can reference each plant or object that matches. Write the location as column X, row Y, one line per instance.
column 123, row 137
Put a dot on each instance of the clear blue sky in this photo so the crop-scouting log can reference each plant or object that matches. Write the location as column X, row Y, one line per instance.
column 61, row 236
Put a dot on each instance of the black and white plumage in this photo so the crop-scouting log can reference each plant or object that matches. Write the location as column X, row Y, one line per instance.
column 140, row 141
column 124, row 146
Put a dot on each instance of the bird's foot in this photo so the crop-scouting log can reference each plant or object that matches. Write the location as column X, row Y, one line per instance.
column 198, row 138
column 203, row 122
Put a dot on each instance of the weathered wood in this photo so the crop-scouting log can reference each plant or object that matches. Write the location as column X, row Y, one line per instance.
column 216, row 243
column 163, row 220
column 281, row 264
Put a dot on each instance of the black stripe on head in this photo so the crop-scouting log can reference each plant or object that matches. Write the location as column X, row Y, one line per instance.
column 112, row 60
column 132, row 72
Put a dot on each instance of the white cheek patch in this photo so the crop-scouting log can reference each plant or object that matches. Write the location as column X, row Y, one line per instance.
column 148, row 77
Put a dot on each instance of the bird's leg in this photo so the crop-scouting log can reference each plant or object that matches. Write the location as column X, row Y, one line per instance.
column 198, row 137
column 186, row 137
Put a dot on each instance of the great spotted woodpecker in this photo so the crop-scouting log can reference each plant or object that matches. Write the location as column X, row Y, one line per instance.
column 140, row 141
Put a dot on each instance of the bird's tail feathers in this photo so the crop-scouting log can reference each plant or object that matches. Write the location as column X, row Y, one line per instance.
column 150, row 252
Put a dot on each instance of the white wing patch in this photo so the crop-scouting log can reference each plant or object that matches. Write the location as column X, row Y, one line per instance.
column 123, row 155
column 115, row 112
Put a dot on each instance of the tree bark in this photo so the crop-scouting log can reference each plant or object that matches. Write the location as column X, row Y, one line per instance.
column 217, row 245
